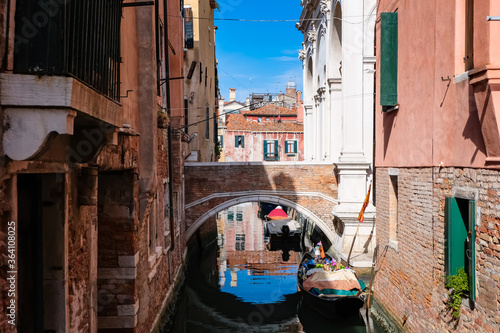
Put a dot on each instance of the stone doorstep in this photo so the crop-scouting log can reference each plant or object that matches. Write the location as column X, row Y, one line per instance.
column 360, row 260
column 128, row 309
column 106, row 322
column 116, row 273
column 128, row 261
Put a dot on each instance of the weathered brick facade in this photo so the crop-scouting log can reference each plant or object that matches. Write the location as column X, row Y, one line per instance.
column 410, row 281
column 96, row 247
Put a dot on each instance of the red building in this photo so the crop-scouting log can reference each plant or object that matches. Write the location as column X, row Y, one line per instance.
column 270, row 133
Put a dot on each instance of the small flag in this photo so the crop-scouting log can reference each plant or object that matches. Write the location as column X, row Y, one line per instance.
column 361, row 215
column 321, row 250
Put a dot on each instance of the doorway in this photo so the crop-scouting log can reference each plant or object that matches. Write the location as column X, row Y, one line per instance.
column 41, row 270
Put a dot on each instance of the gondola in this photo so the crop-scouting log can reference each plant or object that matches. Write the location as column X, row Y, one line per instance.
column 279, row 226
column 335, row 304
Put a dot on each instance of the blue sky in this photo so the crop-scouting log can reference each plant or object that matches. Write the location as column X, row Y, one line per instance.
column 258, row 56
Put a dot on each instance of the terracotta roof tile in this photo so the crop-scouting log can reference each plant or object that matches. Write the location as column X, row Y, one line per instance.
column 271, row 110
column 237, row 122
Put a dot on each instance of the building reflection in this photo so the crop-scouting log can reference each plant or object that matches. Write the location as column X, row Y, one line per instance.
column 242, row 245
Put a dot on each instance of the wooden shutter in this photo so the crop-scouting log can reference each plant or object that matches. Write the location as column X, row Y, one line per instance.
column 295, row 147
column 276, row 151
column 456, row 237
column 242, row 141
column 286, row 147
column 389, row 59
column 236, row 143
column 469, row 35
column 265, row 149
column 188, row 28
column 471, row 250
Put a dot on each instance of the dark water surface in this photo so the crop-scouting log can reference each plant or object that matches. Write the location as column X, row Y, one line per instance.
column 238, row 285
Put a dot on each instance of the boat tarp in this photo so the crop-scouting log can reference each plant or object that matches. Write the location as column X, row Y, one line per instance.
column 342, row 279
column 316, row 291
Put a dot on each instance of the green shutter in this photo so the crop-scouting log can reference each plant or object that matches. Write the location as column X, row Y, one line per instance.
column 472, row 250
column 276, row 152
column 265, row 149
column 456, row 237
column 389, row 59
column 236, row 141
column 242, row 141
column 295, row 147
column 286, row 147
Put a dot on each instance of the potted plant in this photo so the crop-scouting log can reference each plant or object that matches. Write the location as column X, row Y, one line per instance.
column 214, row 4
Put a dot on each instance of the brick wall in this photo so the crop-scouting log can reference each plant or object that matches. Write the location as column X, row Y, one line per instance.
column 410, row 280
column 207, row 179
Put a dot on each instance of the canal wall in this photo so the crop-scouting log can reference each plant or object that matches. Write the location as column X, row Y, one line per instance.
column 414, row 253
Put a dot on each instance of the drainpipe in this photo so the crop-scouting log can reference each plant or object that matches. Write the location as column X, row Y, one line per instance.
column 169, row 129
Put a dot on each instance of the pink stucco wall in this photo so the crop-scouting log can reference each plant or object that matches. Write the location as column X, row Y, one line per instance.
column 254, row 145
column 437, row 120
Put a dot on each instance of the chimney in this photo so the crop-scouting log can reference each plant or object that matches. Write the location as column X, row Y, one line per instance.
column 232, row 94
column 300, row 107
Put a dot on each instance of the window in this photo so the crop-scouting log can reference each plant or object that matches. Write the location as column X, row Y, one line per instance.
column 388, row 60
column 259, row 119
column 166, row 213
column 460, row 239
column 469, row 35
column 240, row 242
column 186, row 116
column 271, row 150
column 291, row 147
column 239, row 141
column 207, row 128
column 239, row 216
column 221, row 141
column 188, row 28
column 230, row 216
column 77, row 38
column 393, row 212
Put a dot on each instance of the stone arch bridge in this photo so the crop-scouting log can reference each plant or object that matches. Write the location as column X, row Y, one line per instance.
column 310, row 189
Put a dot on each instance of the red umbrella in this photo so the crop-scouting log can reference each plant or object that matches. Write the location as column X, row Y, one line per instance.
column 277, row 214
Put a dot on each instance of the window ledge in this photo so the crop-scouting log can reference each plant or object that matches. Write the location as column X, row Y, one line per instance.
column 393, row 244
column 388, row 108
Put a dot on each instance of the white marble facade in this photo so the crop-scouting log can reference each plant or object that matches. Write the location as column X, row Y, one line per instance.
column 339, row 72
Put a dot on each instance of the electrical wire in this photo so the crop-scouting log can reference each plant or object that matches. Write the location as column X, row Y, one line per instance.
column 253, row 104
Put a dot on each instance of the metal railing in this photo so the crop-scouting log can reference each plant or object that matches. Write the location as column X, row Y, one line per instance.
column 79, row 38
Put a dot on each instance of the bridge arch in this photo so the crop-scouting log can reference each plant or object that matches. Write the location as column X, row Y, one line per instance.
column 309, row 188
column 259, row 198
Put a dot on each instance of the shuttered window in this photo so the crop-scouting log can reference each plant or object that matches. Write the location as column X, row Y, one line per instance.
column 271, row 152
column 291, row 147
column 188, row 28
column 389, row 59
column 460, row 239
column 239, row 141
column 469, row 35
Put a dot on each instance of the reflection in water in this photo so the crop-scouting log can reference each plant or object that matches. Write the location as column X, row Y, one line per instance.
column 245, row 284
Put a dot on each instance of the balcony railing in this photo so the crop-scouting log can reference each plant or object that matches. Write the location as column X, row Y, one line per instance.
column 79, row 38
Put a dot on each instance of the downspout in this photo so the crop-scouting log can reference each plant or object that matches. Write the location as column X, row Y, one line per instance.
column 169, row 130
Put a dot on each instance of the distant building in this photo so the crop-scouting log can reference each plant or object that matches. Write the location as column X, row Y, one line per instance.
column 270, row 133
column 200, row 84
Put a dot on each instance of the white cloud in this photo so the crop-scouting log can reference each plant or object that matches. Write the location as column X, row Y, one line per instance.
column 284, row 58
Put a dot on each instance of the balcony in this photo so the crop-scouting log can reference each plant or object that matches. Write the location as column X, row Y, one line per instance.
column 66, row 74
column 80, row 39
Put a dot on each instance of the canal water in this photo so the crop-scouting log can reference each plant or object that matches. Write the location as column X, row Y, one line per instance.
column 243, row 283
